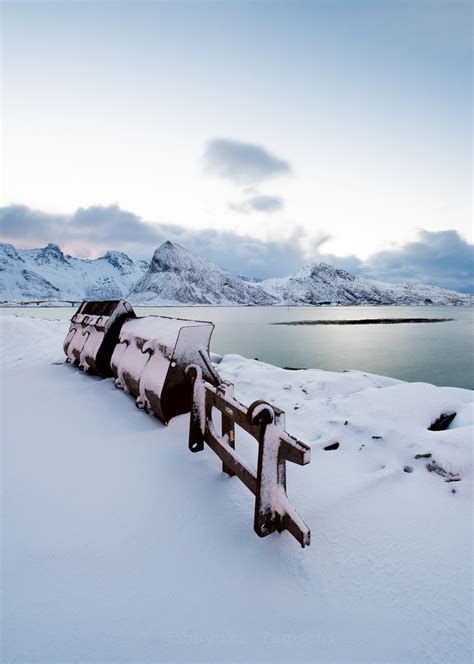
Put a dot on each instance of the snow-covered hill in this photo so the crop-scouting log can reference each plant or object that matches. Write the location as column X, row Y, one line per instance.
column 48, row 274
column 322, row 284
column 176, row 275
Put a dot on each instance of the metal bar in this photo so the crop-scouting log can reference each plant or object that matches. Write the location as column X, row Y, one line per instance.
column 226, row 390
column 265, row 423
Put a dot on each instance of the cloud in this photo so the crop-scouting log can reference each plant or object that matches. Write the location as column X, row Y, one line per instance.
column 90, row 231
column 441, row 258
column 21, row 222
column 244, row 164
column 259, row 203
column 436, row 258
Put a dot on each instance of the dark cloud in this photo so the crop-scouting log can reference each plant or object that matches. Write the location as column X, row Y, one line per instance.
column 96, row 229
column 259, row 203
column 437, row 258
column 441, row 258
column 21, row 222
column 110, row 223
column 245, row 164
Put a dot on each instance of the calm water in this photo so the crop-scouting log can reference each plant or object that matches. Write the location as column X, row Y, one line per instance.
column 439, row 353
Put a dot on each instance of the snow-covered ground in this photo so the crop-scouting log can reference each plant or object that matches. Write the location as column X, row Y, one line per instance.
column 119, row 545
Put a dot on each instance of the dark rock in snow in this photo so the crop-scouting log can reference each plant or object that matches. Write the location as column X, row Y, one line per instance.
column 442, row 422
column 333, row 446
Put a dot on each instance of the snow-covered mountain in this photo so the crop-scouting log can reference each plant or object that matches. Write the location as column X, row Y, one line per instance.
column 176, row 275
column 322, row 284
column 48, row 274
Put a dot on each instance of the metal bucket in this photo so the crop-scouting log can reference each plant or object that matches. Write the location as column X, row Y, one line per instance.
column 150, row 359
column 94, row 333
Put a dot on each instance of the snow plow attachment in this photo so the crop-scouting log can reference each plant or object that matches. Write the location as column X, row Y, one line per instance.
column 266, row 424
column 94, row 333
column 150, row 359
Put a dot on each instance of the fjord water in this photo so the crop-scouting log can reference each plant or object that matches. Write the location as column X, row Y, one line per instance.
column 438, row 353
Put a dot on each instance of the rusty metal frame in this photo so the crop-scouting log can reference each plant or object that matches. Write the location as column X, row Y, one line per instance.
column 265, row 423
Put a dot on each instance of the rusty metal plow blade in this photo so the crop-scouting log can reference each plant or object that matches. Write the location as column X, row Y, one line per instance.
column 94, row 332
column 150, row 359
column 273, row 511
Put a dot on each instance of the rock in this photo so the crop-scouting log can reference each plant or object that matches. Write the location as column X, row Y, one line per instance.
column 443, row 422
column 333, row 446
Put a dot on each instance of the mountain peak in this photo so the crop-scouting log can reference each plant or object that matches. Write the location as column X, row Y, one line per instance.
column 322, row 272
column 50, row 255
column 168, row 248
column 53, row 249
column 9, row 250
column 117, row 257
column 120, row 261
column 177, row 275
column 173, row 257
column 115, row 254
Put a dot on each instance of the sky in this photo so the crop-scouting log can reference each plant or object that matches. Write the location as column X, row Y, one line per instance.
column 263, row 135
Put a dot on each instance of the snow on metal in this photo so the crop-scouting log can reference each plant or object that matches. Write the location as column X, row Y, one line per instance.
column 150, row 359
column 94, row 332
column 265, row 423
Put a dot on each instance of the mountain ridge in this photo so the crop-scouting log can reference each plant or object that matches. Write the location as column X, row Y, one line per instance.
column 176, row 276
column 320, row 283
column 49, row 274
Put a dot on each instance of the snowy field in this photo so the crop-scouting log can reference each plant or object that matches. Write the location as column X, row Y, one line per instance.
column 119, row 545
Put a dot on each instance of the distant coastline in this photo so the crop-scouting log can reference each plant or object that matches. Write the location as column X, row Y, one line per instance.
column 143, row 305
column 365, row 321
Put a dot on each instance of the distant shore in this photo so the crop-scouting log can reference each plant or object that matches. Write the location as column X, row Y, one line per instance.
column 48, row 304
column 364, row 321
